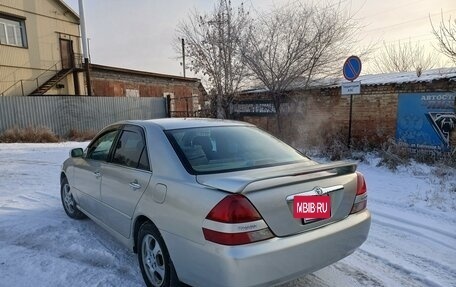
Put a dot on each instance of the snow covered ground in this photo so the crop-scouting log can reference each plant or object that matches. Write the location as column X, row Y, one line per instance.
column 412, row 241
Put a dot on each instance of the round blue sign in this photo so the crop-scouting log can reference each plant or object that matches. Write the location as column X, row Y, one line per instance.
column 352, row 68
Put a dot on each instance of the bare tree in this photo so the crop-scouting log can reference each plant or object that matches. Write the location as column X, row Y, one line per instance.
column 403, row 57
column 297, row 43
column 212, row 46
column 446, row 37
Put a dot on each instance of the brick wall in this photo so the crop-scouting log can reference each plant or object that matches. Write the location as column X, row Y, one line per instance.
column 320, row 116
column 121, row 83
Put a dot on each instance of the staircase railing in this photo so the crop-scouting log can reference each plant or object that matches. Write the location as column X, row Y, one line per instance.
column 54, row 68
column 77, row 64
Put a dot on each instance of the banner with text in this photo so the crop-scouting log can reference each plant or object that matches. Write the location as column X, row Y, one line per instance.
column 426, row 120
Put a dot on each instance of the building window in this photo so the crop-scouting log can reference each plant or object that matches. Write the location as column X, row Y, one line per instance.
column 131, row 93
column 12, row 31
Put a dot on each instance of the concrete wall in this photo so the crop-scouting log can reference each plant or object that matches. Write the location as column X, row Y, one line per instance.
column 45, row 21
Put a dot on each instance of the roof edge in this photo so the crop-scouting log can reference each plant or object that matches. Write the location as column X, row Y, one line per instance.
column 72, row 12
column 143, row 73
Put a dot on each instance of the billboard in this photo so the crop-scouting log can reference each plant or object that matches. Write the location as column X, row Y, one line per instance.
column 426, row 120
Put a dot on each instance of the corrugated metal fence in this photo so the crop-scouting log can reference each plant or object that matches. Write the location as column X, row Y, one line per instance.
column 63, row 113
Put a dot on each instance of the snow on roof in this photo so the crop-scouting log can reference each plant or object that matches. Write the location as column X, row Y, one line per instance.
column 373, row 80
column 403, row 77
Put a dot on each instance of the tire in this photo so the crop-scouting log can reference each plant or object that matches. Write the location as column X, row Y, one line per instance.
column 68, row 202
column 156, row 265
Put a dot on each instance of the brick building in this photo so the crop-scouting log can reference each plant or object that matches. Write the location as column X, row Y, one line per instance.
column 187, row 95
column 415, row 109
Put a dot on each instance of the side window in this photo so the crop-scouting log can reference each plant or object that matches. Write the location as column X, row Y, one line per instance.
column 144, row 160
column 130, row 150
column 99, row 149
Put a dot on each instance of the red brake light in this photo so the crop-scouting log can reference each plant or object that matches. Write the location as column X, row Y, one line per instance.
column 235, row 221
column 361, row 186
column 360, row 202
column 234, row 209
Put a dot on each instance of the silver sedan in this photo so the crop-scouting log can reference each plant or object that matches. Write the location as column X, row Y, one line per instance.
column 215, row 203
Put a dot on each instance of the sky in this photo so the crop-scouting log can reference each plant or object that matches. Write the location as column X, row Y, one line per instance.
column 139, row 34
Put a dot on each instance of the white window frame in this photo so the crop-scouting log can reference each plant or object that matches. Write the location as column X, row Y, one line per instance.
column 18, row 30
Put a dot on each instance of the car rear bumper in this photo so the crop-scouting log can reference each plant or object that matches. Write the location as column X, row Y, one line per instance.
column 268, row 262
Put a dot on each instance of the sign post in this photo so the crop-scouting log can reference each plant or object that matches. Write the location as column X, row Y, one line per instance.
column 351, row 70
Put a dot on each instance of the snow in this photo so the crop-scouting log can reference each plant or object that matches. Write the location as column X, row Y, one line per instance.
column 371, row 80
column 395, row 78
column 412, row 241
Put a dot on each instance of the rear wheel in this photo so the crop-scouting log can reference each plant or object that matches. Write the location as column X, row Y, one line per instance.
column 69, row 204
column 156, row 266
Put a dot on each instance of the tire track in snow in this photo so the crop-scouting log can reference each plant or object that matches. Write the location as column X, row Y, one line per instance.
column 359, row 275
column 56, row 196
column 412, row 231
column 30, row 162
column 307, row 280
column 29, row 198
column 416, row 224
column 417, row 210
column 410, row 273
column 413, row 247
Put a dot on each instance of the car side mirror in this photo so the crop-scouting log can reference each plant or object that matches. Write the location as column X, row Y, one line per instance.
column 76, row 152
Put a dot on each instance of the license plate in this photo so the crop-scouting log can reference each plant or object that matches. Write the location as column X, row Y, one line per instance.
column 312, row 208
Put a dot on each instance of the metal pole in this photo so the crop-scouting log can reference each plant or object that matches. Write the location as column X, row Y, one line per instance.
column 168, row 106
column 186, row 103
column 350, row 122
column 183, row 56
column 88, row 49
column 83, row 29
column 84, row 47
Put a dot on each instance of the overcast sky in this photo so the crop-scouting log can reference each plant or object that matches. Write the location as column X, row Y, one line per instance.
column 138, row 34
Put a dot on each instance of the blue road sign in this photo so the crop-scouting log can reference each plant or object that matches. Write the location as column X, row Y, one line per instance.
column 352, row 68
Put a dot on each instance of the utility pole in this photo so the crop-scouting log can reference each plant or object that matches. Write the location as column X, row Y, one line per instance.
column 183, row 56
column 84, row 47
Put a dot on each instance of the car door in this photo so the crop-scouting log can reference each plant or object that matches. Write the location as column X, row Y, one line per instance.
column 125, row 179
column 88, row 173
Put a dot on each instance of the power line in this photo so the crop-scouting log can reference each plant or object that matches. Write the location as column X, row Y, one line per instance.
column 291, row 4
column 392, row 9
column 406, row 22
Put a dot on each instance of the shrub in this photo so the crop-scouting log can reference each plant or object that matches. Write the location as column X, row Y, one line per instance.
column 394, row 154
column 29, row 135
column 75, row 135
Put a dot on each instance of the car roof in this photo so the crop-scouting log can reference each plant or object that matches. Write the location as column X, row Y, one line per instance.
column 182, row 123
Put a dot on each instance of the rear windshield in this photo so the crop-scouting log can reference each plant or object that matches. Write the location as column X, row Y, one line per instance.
column 229, row 148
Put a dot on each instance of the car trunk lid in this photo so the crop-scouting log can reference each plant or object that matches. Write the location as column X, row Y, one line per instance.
column 272, row 189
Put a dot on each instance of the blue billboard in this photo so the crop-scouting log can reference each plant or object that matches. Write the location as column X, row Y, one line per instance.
column 426, row 120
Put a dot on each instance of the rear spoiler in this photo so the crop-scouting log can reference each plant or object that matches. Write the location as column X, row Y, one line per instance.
column 265, row 179
column 339, row 167
column 310, row 173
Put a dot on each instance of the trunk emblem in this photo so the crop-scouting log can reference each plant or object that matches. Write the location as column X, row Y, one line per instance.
column 318, row 190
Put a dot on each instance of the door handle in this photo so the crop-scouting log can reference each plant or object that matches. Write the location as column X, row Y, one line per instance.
column 97, row 174
column 135, row 185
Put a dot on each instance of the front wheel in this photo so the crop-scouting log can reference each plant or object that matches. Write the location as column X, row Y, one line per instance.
column 156, row 266
column 69, row 204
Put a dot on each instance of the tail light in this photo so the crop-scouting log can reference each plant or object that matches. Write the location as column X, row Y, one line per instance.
column 235, row 221
column 361, row 194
